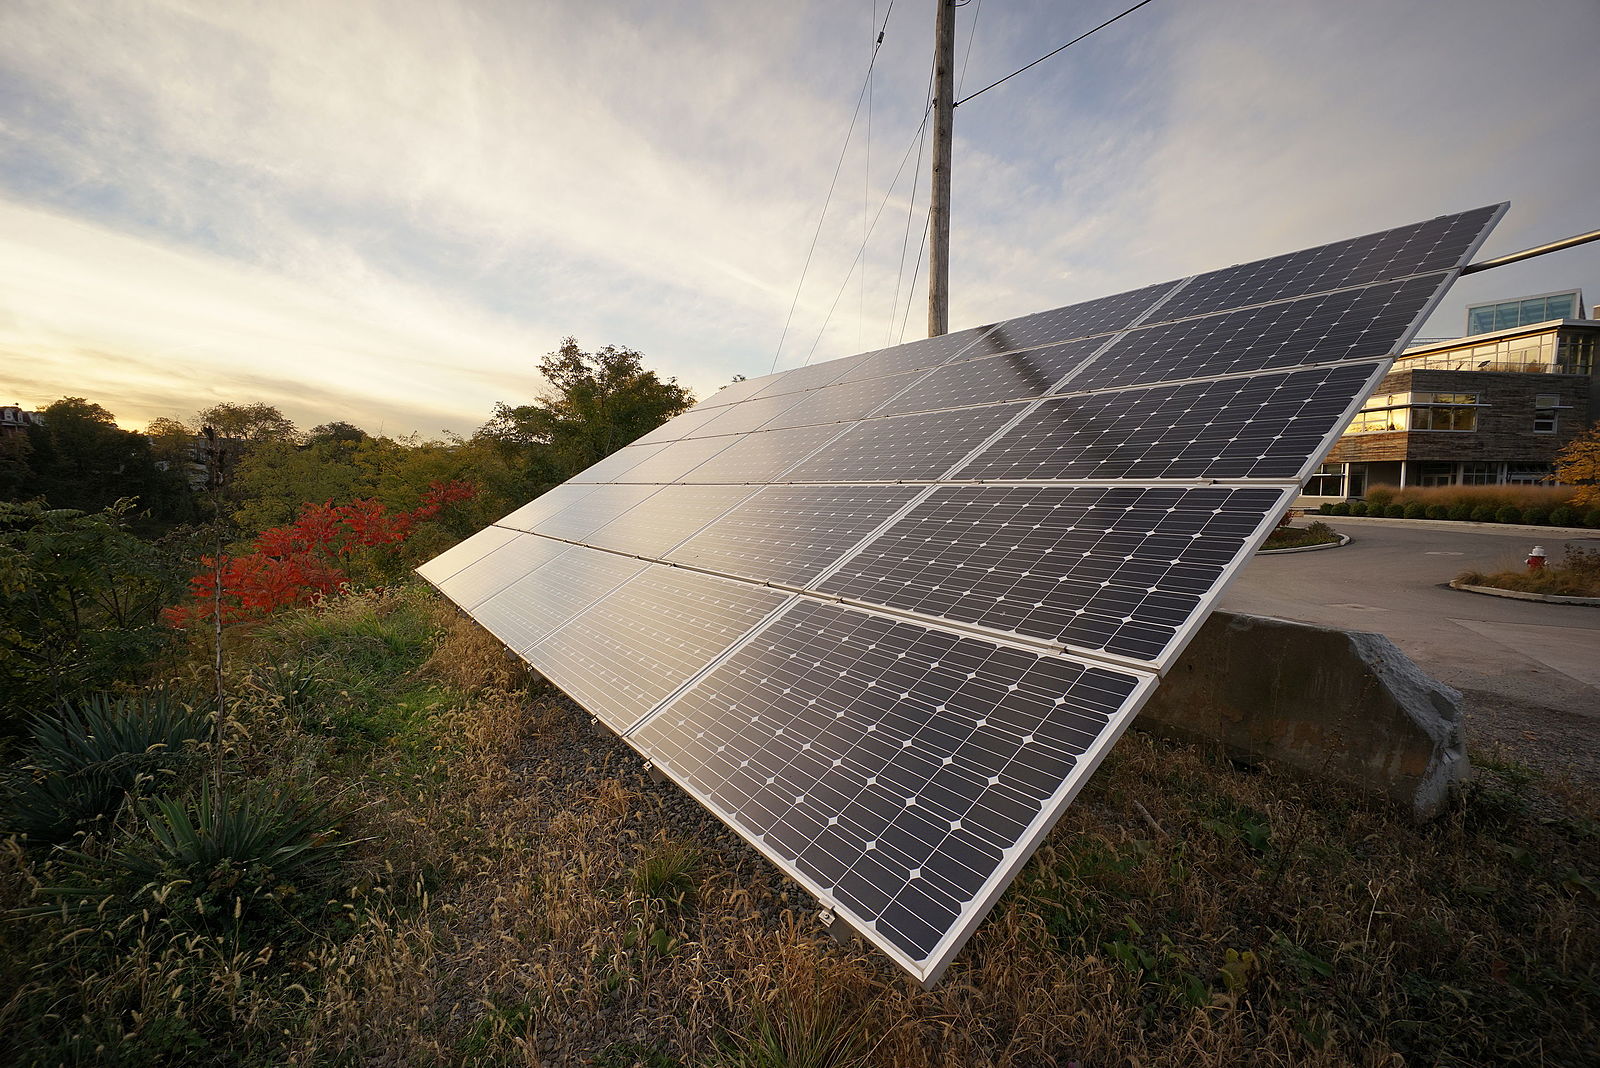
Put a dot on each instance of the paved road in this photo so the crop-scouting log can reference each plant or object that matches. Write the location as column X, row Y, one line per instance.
column 1530, row 671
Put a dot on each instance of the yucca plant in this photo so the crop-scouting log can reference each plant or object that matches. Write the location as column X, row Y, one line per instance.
column 223, row 856
column 87, row 757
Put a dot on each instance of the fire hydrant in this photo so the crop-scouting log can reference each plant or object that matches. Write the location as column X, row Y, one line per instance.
column 1536, row 558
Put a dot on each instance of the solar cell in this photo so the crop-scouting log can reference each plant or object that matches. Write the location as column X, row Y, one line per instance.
column 1028, row 373
column 1264, row 426
column 811, row 375
column 665, row 518
column 1120, row 569
column 920, row 446
column 790, row 534
column 646, row 638
column 897, row 771
column 1353, row 324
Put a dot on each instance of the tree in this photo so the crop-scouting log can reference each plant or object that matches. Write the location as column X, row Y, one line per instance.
column 338, row 430
column 598, row 402
column 81, row 459
column 248, row 422
column 1578, row 465
column 80, row 603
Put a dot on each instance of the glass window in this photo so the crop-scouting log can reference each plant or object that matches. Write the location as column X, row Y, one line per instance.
column 1480, row 474
column 1480, row 320
column 1561, row 307
column 1529, row 474
column 1436, row 473
column 1328, row 481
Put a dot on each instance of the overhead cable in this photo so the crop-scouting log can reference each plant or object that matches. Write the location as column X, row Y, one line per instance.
column 1047, row 55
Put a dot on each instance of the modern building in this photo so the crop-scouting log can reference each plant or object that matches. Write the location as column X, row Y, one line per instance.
column 1490, row 408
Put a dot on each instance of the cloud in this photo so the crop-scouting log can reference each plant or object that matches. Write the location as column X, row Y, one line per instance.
column 84, row 311
column 426, row 197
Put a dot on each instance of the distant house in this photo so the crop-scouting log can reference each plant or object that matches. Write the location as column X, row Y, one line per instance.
column 1487, row 409
column 16, row 420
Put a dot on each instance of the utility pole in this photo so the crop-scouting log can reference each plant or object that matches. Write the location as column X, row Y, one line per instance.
column 944, row 91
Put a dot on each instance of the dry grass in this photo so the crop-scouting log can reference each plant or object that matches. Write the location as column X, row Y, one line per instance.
column 532, row 898
column 1577, row 575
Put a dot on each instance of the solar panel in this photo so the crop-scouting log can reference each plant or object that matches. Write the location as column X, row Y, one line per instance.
column 789, row 535
column 1026, row 373
column 891, row 768
column 666, row 517
column 883, row 615
column 565, row 581
column 911, row 446
column 1263, row 426
column 1118, row 569
column 647, row 637
column 1322, row 328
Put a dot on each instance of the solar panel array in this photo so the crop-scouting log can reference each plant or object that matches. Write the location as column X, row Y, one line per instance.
column 883, row 615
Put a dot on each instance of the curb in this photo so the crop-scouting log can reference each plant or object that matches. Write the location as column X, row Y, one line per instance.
column 1566, row 533
column 1344, row 539
column 1524, row 595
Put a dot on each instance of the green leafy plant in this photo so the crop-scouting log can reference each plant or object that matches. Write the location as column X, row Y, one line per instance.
column 225, row 857
column 87, row 757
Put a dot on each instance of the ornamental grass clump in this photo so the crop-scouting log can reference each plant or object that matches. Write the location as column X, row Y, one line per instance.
column 87, row 758
column 219, row 862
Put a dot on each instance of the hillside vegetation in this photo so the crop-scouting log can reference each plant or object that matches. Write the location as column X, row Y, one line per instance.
column 431, row 859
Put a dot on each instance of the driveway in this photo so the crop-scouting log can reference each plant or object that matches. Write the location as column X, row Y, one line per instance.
column 1530, row 672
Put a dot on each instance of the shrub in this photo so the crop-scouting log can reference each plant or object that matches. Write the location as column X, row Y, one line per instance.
column 229, row 858
column 1508, row 514
column 1591, row 518
column 1358, row 507
column 1417, row 510
column 1393, row 511
column 1380, row 497
column 1325, row 508
column 1537, row 514
column 1341, row 508
column 1483, row 513
column 1563, row 515
column 87, row 758
column 1437, row 511
column 80, row 599
column 1461, row 510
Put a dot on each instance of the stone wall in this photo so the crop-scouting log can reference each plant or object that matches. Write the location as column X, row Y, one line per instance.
column 1339, row 704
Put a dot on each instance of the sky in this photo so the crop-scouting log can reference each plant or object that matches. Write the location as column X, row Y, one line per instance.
column 388, row 212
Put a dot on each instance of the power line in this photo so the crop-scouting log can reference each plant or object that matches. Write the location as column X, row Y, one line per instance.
column 876, row 216
column 878, row 44
column 1047, row 55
